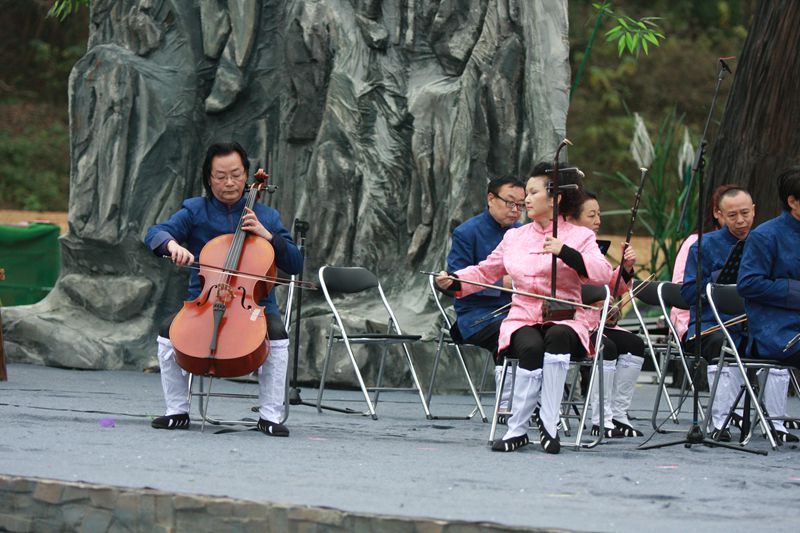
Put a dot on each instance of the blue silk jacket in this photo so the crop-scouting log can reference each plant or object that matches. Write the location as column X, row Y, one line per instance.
column 769, row 281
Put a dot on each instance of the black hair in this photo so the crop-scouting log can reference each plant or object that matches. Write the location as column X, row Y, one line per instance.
column 497, row 183
column 585, row 196
column 789, row 185
column 218, row 149
column 570, row 199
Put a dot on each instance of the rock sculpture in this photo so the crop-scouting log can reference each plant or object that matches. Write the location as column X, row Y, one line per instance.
column 380, row 121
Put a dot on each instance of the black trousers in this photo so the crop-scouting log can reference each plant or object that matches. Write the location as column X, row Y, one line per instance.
column 617, row 341
column 529, row 344
column 486, row 338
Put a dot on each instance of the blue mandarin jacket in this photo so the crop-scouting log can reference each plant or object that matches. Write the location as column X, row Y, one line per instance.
column 769, row 281
column 472, row 242
column 201, row 219
column 717, row 247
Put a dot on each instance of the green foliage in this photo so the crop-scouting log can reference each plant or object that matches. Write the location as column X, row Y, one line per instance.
column 61, row 9
column 631, row 34
column 663, row 197
column 34, row 168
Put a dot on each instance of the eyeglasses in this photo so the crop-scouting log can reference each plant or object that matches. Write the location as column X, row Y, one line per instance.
column 509, row 204
column 235, row 176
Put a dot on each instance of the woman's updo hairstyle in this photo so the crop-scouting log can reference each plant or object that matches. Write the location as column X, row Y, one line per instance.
column 570, row 200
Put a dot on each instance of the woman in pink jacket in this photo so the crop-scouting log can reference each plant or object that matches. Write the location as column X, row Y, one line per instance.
column 623, row 353
column 544, row 349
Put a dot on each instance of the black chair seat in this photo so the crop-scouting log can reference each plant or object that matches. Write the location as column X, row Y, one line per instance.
column 380, row 336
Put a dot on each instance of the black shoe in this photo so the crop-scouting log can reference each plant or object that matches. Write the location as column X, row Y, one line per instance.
column 502, row 420
column 511, row 444
column 783, row 436
column 721, row 435
column 549, row 444
column 627, row 430
column 171, row 422
column 272, row 429
column 609, row 433
column 791, row 424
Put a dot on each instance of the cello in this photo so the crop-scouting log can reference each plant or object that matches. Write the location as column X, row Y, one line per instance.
column 223, row 332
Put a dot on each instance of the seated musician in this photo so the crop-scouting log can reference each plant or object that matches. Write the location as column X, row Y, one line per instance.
column 182, row 237
column 478, row 316
column 544, row 347
column 769, row 281
column 714, row 221
column 623, row 353
column 721, row 251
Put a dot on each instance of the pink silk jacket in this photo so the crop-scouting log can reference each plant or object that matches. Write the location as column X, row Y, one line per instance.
column 520, row 256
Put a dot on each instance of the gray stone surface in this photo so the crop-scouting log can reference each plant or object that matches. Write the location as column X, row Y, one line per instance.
column 400, row 465
column 379, row 121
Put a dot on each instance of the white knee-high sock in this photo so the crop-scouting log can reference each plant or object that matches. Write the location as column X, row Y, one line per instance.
column 505, row 394
column 174, row 379
column 554, row 376
column 775, row 393
column 629, row 367
column 272, row 381
column 609, row 372
column 727, row 388
column 526, row 396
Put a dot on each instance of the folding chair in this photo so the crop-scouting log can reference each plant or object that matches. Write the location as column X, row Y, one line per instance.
column 647, row 293
column 669, row 296
column 589, row 294
column 344, row 281
column 204, row 396
column 445, row 340
column 724, row 299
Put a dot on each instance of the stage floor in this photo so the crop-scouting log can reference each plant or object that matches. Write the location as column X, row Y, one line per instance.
column 400, row 465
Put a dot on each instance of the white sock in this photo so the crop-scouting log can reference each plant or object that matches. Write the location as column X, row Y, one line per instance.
column 526, row 396
column 775, row 392
column 505, row 395
column 174, row 379
column 609, row 372
column 272, row 381
column 629, row 367
column 554, row 376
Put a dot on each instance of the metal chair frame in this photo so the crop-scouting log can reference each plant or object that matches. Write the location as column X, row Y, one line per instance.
column 354, row 280
column 444, row 339
column 649, row 296
column 725, row 299
column 668, row 297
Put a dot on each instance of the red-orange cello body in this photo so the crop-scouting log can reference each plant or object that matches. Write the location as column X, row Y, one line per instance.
column 223, row 332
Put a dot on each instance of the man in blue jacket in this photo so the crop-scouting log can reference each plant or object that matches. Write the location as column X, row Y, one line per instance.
column 477, row 316
column 183, row 236
column 769, row 281
column 721, row 251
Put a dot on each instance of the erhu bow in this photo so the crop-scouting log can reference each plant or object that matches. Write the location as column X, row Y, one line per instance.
column 615, row 310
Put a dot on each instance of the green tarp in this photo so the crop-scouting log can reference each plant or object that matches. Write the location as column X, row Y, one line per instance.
column 31, row 259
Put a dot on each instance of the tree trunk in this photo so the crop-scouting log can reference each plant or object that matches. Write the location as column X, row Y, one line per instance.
column 759, row 135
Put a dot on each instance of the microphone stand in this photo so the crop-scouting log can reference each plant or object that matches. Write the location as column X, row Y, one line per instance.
column 293, row 393
column 300, row 231
column 695, row 435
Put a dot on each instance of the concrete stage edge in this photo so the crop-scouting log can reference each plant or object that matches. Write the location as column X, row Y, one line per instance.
column 77, row 452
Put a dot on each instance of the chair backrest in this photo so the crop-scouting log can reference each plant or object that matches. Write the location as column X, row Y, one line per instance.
column 592, row 293
column 646, row 291
column 346, row 280
column 727, row 299
column 671, row 294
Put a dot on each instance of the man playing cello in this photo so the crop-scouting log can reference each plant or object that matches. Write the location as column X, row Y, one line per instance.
column 181, row 238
